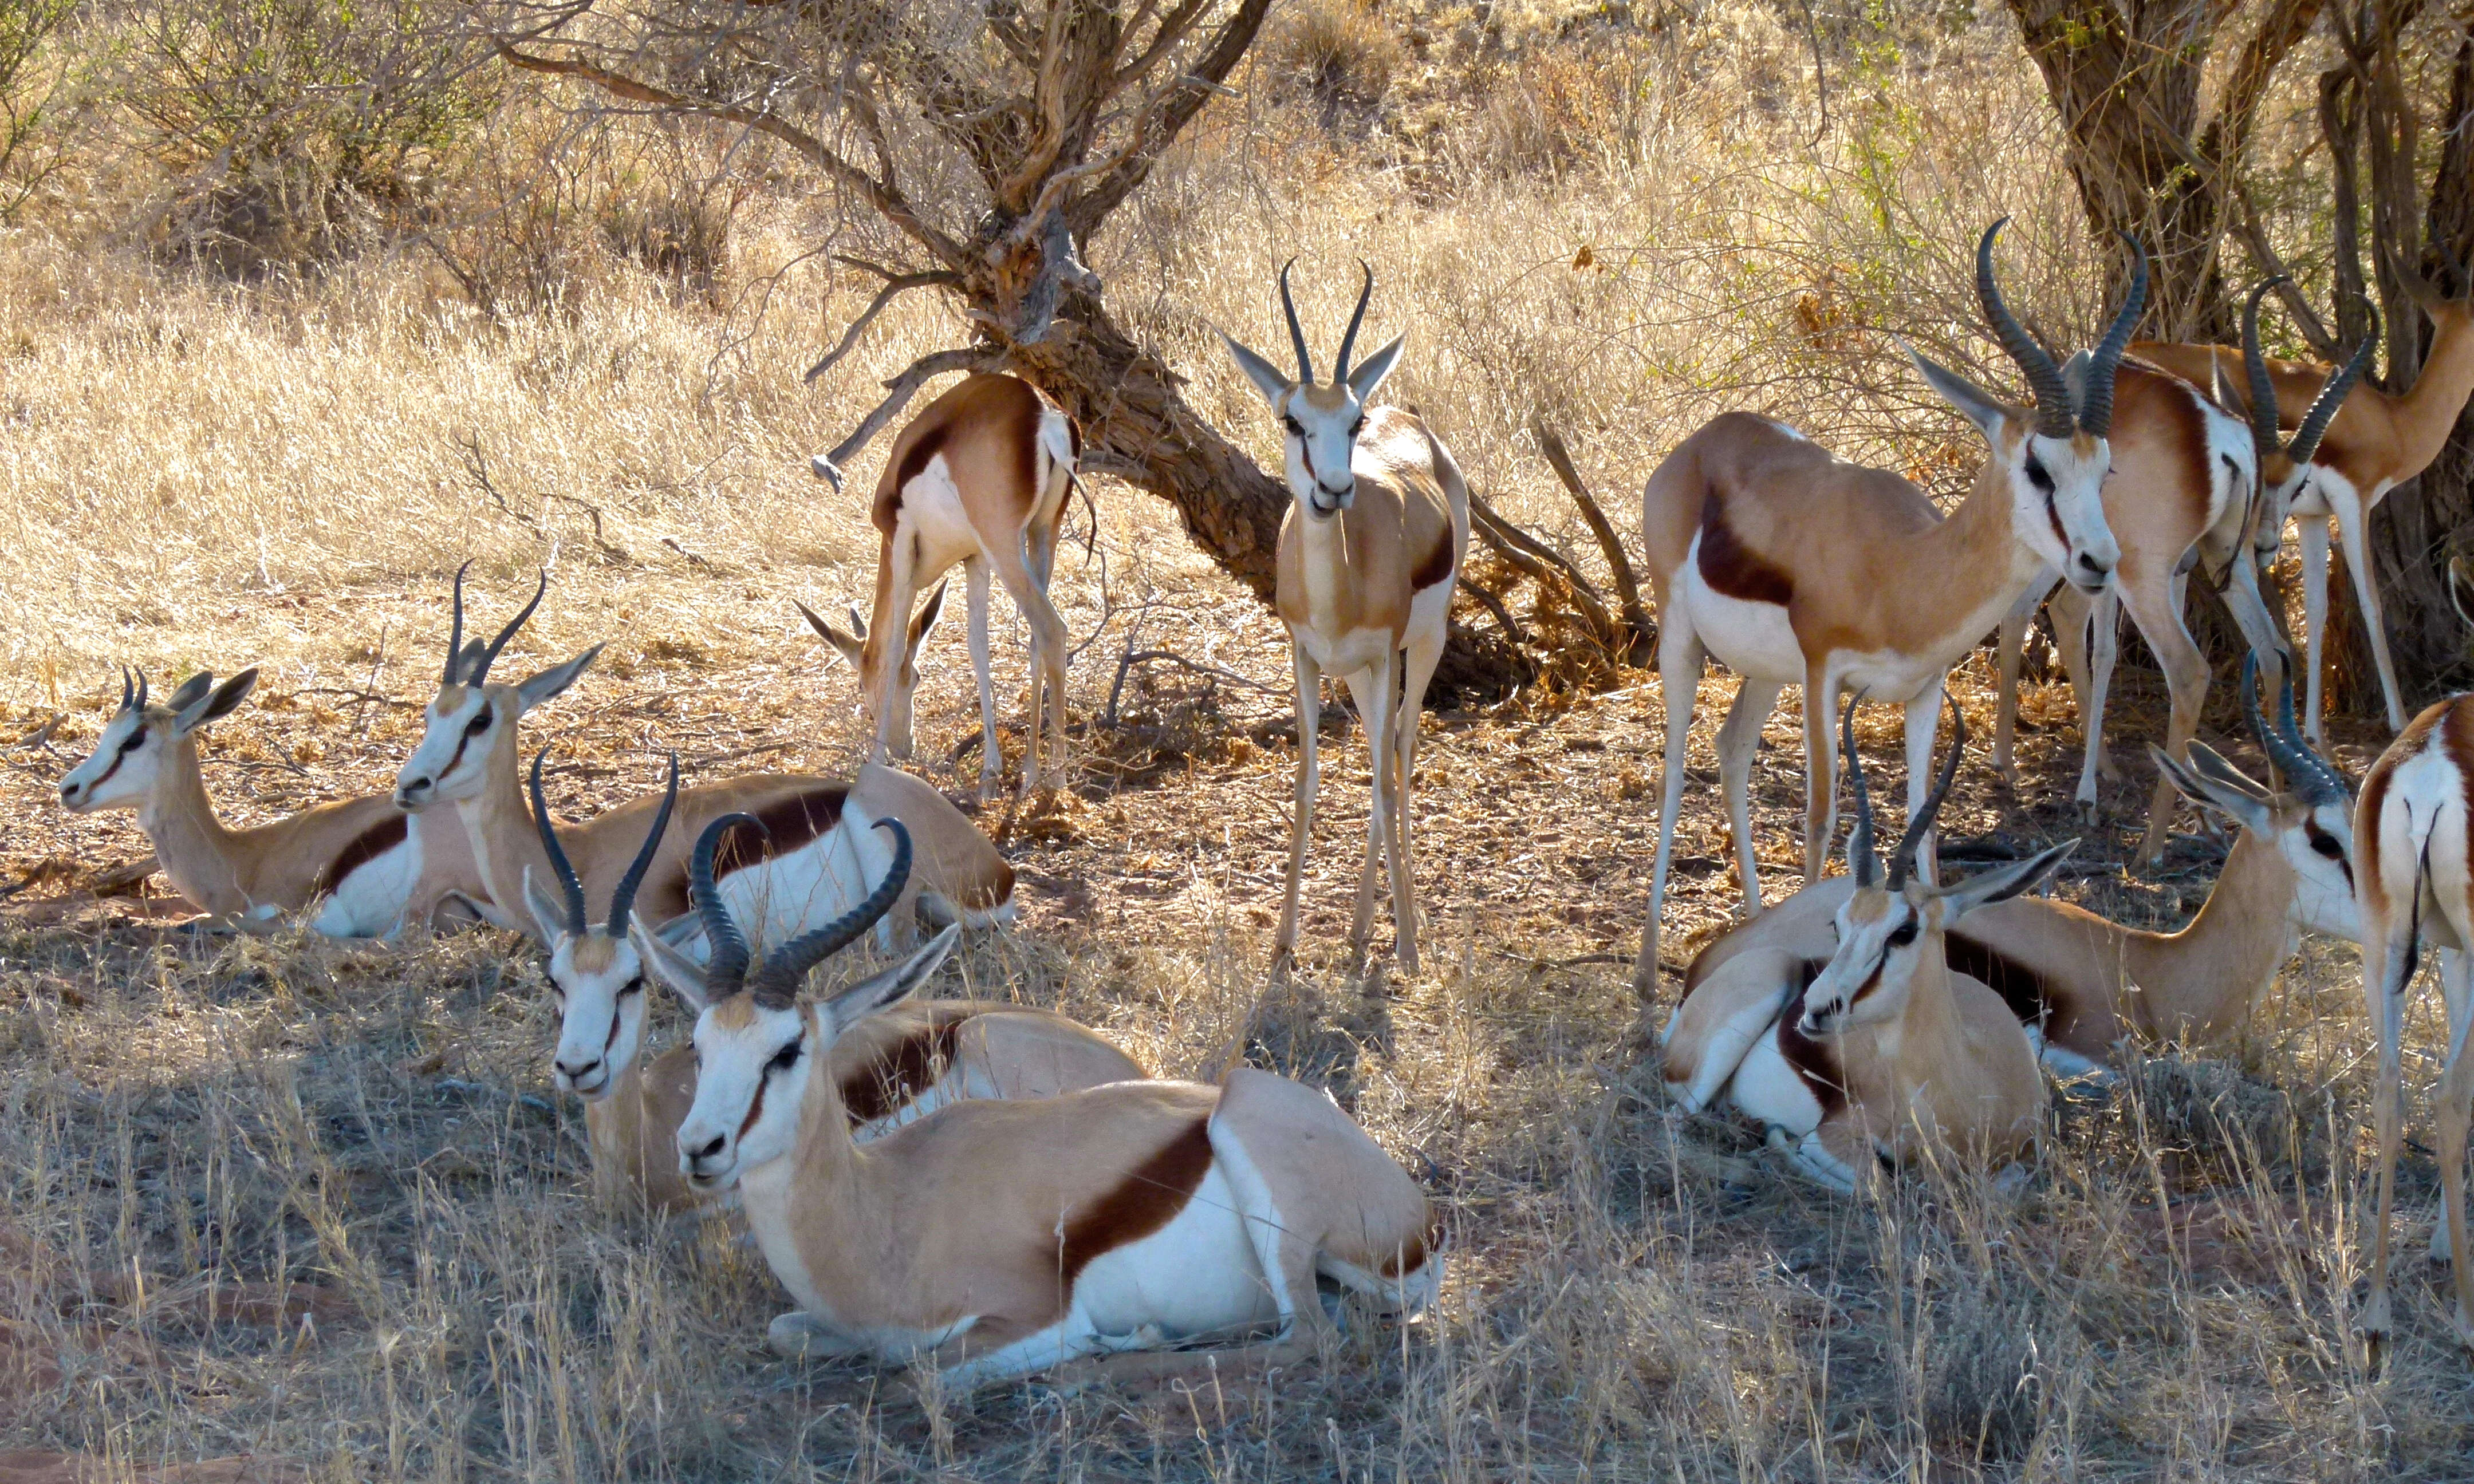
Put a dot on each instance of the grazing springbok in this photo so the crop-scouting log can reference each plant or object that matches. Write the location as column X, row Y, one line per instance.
column 369, row 870
column 805, row 860
column 2376, row 440
column 980, row 477
column 896, row 1067
column 2414, row 888
column 1796, row 568
column 1368, row 554
column 1877, row 1049
column 2081, row 984
column 995, row 1239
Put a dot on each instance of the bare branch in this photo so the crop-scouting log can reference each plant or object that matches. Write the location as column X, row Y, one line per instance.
column 1210, row 71
column 901, row 389
column 895, row 285
column 1618, row 563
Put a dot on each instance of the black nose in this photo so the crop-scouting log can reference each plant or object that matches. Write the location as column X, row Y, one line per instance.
column 711, row 1150
column 68, row 791
column 2090, row 565
column 576, row 1074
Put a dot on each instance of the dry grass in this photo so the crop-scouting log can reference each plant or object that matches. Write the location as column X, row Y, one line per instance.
column 1627, row 233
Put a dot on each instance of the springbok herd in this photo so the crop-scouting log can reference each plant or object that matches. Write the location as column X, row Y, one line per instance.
column 1000, row 1191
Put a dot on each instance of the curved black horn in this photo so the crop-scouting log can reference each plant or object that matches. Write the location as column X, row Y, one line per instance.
column 141, row 689
column 2325, row 786
column 726, row 955
column 1297, row 331
column 2264, row 437
column 489, row 657
column 2096, row 409
column 2044, row 378
column 622, row 900
column 1864, row 862
column 127, row 691
column 455, row 630
column 776, row 985
column 1902, row 861
column 558, row 861
column 1348, row 342
column 2323, row 407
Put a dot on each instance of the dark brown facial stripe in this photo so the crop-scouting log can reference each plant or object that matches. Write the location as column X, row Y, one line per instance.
column 2029, row 994
column 1436, row 564
column 901, row 1072
column 1816, row 1064
column 1146, row 1199
column 781, row 829
column 366, row 846
column 1733, row 568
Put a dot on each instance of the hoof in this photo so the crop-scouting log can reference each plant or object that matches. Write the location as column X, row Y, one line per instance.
column 2087, row 810
column 798, row 1336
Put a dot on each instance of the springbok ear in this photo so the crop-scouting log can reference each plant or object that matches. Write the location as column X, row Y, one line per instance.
column 224, row 700
column 2003, row 883
column 927, row 616
column 680, row 930
column 1268, row 378
column 2211, row 782
column 191, row 691
column 1370, row 372
column 550, row 914
column 683, row 975
column 893, row 985
column 534, row 689
column 1977, row 405
column 2224, row 392
column 849, row 647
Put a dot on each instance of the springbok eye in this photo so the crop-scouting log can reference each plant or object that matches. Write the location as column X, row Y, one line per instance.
column 635, row 986
column 1903, row 934
column 2039, row 476
column 479, row 724
column 1296, row 429
column 136, row 740
column 2326, row 845
column 783, row 1060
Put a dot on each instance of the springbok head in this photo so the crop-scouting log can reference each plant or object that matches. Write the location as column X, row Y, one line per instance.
column 757, row 1045
column 1321, row 420
column 594, row 970
column 2285, row 464
column 137, row 743
column 470, row 720
column 870, row 653
column 1890, row 929
column 2054, row 456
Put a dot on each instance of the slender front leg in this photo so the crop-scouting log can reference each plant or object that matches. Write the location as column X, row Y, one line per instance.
column 2454, row 966
column 975, row 576
column 1737, row 740
column 1309, row 722
column 1679, row 685
column 1923, row 721
column 1820, row 770
column 1373, row 689
column 2257, row 622
column 2351, row 529
column 2314, row 620
column 2012, row 642
column 2159, row 617
column 890, row 634
column 1424, row 652
column 2388, row 970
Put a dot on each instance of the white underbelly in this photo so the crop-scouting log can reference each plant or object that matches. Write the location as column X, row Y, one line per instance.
column 369, row 902
column 1752, row 639
column 1196, row 1275
column 1891, row 676
column 1769, row 1090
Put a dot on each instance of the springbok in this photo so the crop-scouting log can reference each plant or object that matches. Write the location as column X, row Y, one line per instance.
column 1794, row 567
column 1877, row 1049
column 978, row 477
column 2081, row 984
column 896, row 1067
column 995, row 1239
column 2376, row 440
column 369, row 870
column 808, row 856
column 1369, row 551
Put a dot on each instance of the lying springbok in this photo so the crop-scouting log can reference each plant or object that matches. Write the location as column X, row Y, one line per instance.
column 2081, row 984
column 369, row 870
column 808, row 856
column 1877, row 1049
column 2376, row 440
column 1796, row 568
column 1369, row 551
column 995, row 1239
column 897, row 1066
column 978, row 477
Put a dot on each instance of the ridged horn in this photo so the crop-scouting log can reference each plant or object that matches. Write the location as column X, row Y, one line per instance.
column 480, row 670
column 1297, row 331
column 2044, row 378
column 456, row 629
column 2330, row 786
column 776, row 985
column 1348, row 342
column 572, row 888
column 127, row 691
column 2265, row 435
column 623, row 898
column 726, row 955
column 2095, row 409
column 141, row 689
column 1902, row 861
column 2323, row 407
column 1864, row 862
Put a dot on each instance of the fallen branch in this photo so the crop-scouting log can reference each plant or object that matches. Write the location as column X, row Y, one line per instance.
column 1116, row 688
column 1627, row 585
column 827, row 466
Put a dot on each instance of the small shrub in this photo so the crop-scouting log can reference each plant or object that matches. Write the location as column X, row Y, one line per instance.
column 1340, row 49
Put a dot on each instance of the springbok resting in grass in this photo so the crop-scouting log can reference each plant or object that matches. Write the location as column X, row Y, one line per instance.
column 895, row 1068
column 369, row 869
column 1368, row 554
column 1796, row 568
column 2377, row 441
column 980, row 477
column 1877, row 1049
column 995, row 1239
column 2081, row 984
column 807, row 857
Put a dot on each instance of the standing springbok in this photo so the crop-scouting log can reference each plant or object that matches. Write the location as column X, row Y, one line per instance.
column 995, row 1239
column 1796, row 568
column 1369, row 551
column 2376, row 440
column 1879, row 1048
column 980, row 477
column 2081, row 984
column 809, row 855
column 897, row 1066
column 369, row 870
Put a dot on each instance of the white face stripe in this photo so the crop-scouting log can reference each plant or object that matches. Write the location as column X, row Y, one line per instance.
column 120, row 772
column 601, row 1017
column 450, row 762
column 1321, row 441
column 2057, row 497
column 749, row 1087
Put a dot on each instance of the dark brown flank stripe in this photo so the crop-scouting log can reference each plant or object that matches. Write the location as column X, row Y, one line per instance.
column 1733, row 568
column 1436, row 564
column 914, row 463
column 366, row 846
column 782, row 827
column 2028, row 993
column 2457, row 735
column 1412, row 1254
column 901, row 1072
column 1812, row 1061
column 1142, row 1203
column 2366, row 814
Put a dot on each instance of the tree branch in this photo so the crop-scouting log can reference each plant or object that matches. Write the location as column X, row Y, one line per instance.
column 1211, row 70
column 895, row 285
column 901, row 389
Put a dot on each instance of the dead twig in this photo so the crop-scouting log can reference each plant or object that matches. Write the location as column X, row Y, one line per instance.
column 1116, row 688
column 1636, row 618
